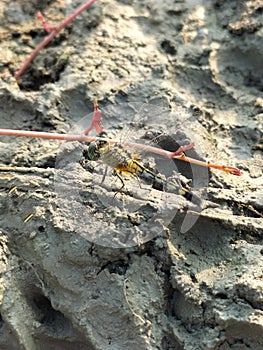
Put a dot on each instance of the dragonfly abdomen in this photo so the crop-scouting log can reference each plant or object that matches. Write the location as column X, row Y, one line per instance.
column 164, row 185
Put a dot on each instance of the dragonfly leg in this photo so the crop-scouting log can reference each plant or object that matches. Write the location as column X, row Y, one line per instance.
column 121, row 180
column 138, row 179
column 104, row 175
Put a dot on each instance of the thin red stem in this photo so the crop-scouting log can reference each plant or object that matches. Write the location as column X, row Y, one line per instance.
column 47, row 27
column 84, row 138
column 48, row 135
column 226, row 168
column 96, row 122
column 53, row 33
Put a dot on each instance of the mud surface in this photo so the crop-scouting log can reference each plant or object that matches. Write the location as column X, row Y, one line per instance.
column 84, row 268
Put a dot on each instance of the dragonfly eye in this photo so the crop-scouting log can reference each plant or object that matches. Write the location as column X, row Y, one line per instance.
column 93, row 152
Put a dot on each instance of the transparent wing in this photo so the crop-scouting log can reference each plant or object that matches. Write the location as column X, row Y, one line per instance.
column 89, row 200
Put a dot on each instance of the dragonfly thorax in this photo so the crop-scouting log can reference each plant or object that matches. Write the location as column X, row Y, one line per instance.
column 111, row 154
column 116, row 157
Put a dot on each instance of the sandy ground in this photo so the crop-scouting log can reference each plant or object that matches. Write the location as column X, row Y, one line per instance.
column 83, row 268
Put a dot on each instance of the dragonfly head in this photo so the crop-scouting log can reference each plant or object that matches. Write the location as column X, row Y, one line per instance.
column 93, row 151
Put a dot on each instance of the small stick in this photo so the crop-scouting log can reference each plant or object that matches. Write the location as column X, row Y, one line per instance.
column 54, row 31
column 147, row 322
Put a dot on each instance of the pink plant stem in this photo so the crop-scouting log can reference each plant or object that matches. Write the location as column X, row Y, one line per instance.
column 53, row 33
column 84, row 138
column 44, row 22
column 226, row 168
column 48, row 135
column 96, row 122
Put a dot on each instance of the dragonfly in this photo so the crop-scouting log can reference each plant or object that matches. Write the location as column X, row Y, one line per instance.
column 116, row 154
column 96, row 123
column 127, row 163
